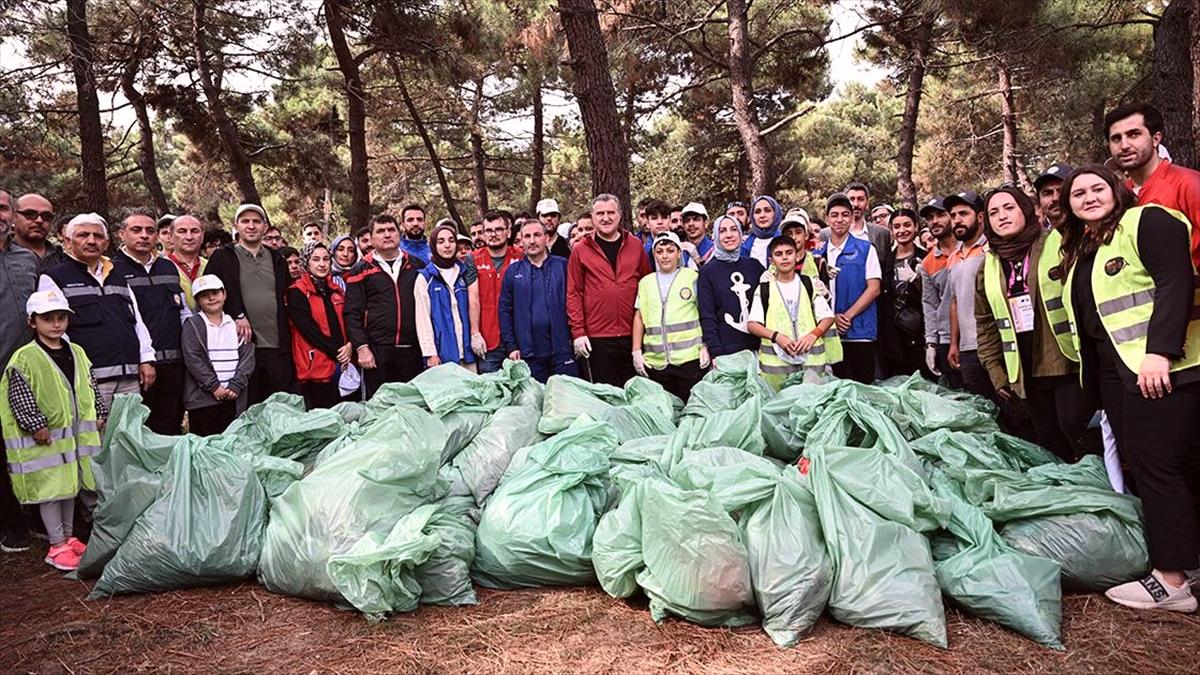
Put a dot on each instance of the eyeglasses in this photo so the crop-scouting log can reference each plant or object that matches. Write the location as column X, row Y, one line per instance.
column 30, row 214
column 495, row 230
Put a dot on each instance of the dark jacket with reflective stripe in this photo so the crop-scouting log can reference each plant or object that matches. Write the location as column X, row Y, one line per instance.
column 103, row 319
column 160, row 300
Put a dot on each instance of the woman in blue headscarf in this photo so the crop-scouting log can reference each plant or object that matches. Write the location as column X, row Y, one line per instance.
column 724, row 289
column 765, row 216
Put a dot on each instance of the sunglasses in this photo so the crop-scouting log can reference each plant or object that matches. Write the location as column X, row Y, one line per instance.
column 31, row 214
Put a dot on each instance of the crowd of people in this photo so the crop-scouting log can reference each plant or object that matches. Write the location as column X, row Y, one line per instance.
column 1075, row 303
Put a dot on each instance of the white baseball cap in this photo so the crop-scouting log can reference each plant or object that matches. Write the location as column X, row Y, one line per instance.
column 696, row 208
column 207, row 282
column 798, row 216
column 669, row 237
column 43, row 302
column 249, row 207
column 547, row 206
column 564, row 230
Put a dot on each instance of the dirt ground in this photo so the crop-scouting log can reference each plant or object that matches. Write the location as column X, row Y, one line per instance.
column 46, row 626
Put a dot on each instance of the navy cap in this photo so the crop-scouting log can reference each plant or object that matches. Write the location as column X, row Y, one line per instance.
column 935, row 204
column 1055, row 172
column 968, row 197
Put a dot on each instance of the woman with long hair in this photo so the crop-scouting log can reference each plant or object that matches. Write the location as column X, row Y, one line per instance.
column 1017, row 341
column 903, row 338
column 320, row 348
column 1130, row 294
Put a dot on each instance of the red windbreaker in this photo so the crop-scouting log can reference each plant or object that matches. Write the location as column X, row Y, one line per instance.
column 490, row 279
column 599, row 300
column 1176, row 187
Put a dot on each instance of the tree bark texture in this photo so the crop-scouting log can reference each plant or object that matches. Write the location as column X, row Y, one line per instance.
column 356, row 113
column 423, row 132
column 608, row 155
column 758, row 155
column 1014, row 173
column 538, row 149
column 210, row 83
column 478, row 156
column 1174, row 88
column 91, row 132
column 919, row 51
column 147, row 161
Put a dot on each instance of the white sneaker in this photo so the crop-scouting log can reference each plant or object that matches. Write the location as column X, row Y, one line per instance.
column 1152, row 592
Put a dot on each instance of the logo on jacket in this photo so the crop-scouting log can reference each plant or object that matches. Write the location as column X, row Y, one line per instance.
column 685, row 293
column 1112, row 267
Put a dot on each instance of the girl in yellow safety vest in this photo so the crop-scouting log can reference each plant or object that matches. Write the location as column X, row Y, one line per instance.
column 668, row 345
column 52, row 415
column 1019, row 319
column 1131, row 298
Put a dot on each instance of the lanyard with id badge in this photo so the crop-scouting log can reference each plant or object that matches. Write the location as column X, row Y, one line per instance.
column 793, row 311
column 1020, row 306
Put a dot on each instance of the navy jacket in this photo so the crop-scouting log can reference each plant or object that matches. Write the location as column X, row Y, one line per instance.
column 516, row 328
column 724, row 292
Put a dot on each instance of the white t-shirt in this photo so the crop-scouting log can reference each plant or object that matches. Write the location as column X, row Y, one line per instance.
column 664, row 287
column 874, row 271
column 790, row 291
column 758, row 250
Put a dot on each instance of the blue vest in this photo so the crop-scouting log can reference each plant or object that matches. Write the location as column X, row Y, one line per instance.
column 103, row 319
column 850, row 283
column 160, row 301
column 417, row 248
column 450, row 350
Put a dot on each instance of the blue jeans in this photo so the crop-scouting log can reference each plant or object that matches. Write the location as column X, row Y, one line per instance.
column 492, row 361
column 542, row 367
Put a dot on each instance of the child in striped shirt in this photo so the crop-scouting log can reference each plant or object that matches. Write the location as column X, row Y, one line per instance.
column 218, row 363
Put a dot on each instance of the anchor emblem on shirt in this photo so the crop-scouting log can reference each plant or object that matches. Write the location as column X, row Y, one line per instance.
column 739, row 287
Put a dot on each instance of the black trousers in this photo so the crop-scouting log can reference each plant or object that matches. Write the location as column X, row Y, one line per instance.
column 1059, row 416
column 905, row 358
column 858, row 362
column 273, row 372
column 165, row 400
column 392, row 364
column 951, row 377
column 12, row 516
column 212, row 419
column 320, row 394
column 611, row 361
column 678, row 380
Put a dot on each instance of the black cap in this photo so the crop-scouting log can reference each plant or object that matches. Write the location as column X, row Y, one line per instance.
column 838, row 199
column 967, row 197
column 1055, row 172
column 935, row 204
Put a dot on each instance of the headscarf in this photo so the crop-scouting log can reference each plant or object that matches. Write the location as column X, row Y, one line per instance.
column 439, row 261
column 1018, row 245
column 335, row 267
column 720, row 253
column 772, row 230
column 307, row 251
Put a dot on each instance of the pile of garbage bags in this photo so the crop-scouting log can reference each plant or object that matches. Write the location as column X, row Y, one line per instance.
column 874, row 504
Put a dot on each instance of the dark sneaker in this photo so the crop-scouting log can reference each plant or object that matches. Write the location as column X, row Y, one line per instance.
column 14, row 541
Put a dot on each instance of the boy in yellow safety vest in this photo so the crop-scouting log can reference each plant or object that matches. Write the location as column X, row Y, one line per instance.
column 791, row 314
column 668, row 346
column 52, row 414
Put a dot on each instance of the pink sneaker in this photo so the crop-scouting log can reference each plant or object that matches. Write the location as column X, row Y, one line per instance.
column 77, row 546
column 61, row 557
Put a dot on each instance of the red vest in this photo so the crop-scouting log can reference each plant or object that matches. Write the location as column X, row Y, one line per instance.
column 490, row 280
column 312, row 364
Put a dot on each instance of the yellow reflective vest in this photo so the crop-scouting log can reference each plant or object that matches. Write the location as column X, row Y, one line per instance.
column 1051, row 291
column 825, row 350
column 673, row 335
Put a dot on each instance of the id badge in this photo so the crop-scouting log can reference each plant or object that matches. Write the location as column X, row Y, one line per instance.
column 1021, row 309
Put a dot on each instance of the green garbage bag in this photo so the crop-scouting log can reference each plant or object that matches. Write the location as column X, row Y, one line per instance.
column 955, row 451
column 484, row 460
column 451, row 388
column 788, row 419
column 681, row 548
column 926, row 407
column 128, row 472
column 390, row 395
column 738, row 428
column 461, row 429
column 733, row 379
column 445, row 577
column 204, row 527
column 366, row 487
column 629, row 422
column 536, row 528
column 872, row 509
column 566, row 398
column 993, row 581
column 280, row 427
column 644, row 450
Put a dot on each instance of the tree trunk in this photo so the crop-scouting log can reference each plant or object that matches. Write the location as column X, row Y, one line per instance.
column 419, row 123
column 744, row 117
column 356, row 113
column 1174, row 79
column 1013, row 171
column 539, row 146
column 239, row 162
column 608, row 155
column 146, row 159
column 919, row 51
column 629, row 114
column 478, row 157
column 91, row 133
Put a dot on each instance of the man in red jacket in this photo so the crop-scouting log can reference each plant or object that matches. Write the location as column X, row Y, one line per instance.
column 602, row 281
column 492, row 262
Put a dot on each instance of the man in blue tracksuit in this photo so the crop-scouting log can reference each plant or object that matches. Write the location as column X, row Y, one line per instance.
column 855, row 278
column 533, row 308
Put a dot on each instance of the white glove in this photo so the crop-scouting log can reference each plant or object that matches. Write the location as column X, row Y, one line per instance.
column 705, row 359
column 931, row 359
column 639, row 363
column 478, row 345
column 583, row 347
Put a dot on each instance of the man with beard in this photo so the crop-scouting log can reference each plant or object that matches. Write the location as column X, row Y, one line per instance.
column 412, row 224
column 966, row 221
column 32, row 219
column 492, row 261
column 548, row 214
column 1046, row 187
column 740, row 212
column 935, row 296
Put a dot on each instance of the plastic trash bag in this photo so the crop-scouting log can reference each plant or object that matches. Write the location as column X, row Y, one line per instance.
column 566, row 398
column 280, row 427
column 366, row 487
column 872, row 509
column 461, row 429
column 451, row 388
column 733, row 380
column 536, row 528
column 681, row 548
column 485, row 459
column 739, row 428
column 789, row 417
column 956, row 451
column 445, row 577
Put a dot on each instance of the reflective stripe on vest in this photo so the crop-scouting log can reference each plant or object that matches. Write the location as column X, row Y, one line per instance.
column 1051, row 291
column 993, row 276
column 778, row 319
column 1124, row 293
column 672, row 330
